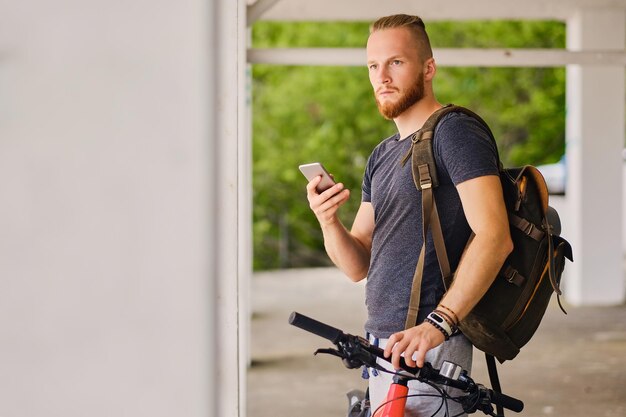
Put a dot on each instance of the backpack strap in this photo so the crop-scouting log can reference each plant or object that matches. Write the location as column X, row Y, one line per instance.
column 495, row 380
column 428, row 208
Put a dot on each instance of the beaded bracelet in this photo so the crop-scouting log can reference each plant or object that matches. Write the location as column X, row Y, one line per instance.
column 438, row 327
column 442, row 322
column 445, row 316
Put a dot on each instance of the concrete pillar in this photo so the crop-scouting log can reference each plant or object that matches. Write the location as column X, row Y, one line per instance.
column 595, row 138
column 232, row 200
column 119, row 176
column 232, row 169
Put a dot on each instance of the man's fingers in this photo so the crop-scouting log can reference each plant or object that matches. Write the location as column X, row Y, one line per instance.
column 412, row 344
column 391, row 343
column 320, row 202
column 420, row 356
column 311, row 186
column 336, row 200
column 332, row 190
column 398, row 349
column 410, row 350
column 395, row 357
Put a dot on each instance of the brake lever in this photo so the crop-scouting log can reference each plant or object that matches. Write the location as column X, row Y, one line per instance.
column 351, row 357
column 330, row 351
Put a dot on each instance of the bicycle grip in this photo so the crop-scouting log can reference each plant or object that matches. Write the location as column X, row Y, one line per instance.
column 316, row 327
column 507, row 402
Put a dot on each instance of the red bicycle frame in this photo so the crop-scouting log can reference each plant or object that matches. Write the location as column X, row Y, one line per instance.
column 396, row 398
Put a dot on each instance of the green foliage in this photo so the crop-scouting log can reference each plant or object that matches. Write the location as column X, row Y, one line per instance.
column 328, row 114
column 525, row 107
column 306, row 119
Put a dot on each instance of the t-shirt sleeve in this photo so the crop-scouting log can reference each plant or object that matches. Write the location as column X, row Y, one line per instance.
column 464, row 148
column 366, row 186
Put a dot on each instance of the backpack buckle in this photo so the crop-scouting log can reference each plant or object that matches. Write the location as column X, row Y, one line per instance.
column 529, row 228
column 426, row 181
column 513, row 276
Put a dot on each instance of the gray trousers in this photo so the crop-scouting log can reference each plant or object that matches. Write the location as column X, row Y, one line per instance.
column 457, row 350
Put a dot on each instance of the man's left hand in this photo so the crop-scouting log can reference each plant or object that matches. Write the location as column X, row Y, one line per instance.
column 414, row 341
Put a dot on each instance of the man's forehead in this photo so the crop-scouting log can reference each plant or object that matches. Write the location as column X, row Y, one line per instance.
column 400, row 33
column 390, row 43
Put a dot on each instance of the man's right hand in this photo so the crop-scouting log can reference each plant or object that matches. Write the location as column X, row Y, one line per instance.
column 326, row 204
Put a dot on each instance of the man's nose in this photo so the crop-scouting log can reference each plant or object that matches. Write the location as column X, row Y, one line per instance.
column 383, row 76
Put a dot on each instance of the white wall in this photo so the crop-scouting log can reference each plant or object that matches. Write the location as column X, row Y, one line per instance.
column 105, row 232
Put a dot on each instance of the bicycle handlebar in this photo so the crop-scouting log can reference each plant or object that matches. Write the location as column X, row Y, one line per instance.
column 352, row 349
column 316, row 327
column 336, row 336
column 505, row 401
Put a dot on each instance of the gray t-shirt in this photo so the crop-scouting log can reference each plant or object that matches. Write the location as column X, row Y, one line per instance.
column 463, row 150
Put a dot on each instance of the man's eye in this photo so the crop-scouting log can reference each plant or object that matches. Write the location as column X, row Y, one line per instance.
column 396, row 62
column 372, row 66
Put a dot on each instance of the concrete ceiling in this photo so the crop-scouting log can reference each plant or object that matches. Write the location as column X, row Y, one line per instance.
column 430, row 10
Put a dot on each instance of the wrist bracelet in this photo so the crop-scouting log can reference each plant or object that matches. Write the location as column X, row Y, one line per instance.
column 456, row 318
column 438, row 327
column 445, row 316
column 441, row 322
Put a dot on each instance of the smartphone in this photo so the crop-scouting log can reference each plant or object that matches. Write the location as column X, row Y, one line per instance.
column 316, row 169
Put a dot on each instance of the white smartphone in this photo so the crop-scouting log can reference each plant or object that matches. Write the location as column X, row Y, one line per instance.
column 316, row 169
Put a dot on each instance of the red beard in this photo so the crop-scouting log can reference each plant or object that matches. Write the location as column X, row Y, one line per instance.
column 391, row 110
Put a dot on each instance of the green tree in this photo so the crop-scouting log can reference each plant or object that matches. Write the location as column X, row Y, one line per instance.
column 327, row 114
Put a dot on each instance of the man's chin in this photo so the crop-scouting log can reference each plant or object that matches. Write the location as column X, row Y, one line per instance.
column 388, row 111
column 387, row 116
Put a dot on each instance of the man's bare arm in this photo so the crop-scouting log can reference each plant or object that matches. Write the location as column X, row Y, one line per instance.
column 485, row 211
column 349, row 250
column 486, row 214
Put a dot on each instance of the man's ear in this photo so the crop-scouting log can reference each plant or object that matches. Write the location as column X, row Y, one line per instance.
column 430, row 69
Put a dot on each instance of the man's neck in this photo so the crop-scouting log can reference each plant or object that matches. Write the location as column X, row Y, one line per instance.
column 414, row 117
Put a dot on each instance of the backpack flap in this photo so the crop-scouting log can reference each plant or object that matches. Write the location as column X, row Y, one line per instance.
column 540, row 184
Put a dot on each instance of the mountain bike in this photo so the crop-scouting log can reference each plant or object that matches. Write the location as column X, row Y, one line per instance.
column 356, row 351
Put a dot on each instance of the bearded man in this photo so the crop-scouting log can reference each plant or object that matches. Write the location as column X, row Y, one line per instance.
column 384, row 241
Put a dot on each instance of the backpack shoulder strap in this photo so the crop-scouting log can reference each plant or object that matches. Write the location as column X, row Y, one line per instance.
column 421, row 151
column 425, row 178
column 424, row 172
